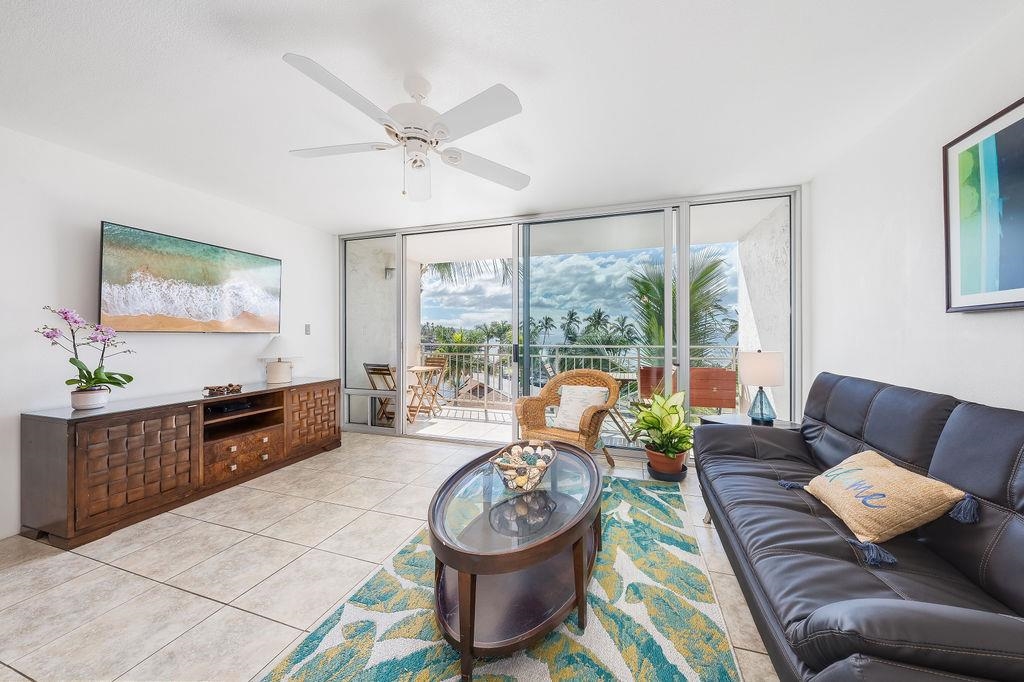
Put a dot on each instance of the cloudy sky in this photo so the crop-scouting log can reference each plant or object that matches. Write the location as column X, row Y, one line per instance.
column 557, row 283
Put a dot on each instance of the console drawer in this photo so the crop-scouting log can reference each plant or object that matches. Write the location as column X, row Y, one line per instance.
column 229, row 458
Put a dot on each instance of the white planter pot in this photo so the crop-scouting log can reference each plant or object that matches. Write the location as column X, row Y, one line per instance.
column 89, row 399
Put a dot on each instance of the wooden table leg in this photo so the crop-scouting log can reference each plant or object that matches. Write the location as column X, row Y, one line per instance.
column 579, row 565
column 467, row 614
column 598, row 532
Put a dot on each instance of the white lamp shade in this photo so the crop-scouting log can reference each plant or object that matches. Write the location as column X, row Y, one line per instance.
column 761, row 368
column 280, row 348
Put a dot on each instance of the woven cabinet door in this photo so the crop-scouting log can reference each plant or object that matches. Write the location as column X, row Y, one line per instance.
column 312, row 416
column 130, row 464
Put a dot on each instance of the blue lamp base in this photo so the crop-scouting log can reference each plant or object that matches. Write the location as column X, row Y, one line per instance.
column 761, row 411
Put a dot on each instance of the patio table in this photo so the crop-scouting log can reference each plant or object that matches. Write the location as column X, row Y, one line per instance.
column 423, row 398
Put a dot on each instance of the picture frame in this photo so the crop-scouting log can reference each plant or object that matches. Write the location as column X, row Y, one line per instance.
column 983, row 193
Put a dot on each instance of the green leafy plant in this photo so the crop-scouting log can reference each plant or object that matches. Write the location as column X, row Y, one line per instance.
column 662, row 426
column 80, row 335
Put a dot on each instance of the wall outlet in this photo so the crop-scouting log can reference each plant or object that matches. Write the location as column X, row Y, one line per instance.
column 307, row 329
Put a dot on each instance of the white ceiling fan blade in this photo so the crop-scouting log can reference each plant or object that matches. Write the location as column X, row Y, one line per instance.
column 334, row 150
column 494, row 104
column 485, row 168
column 417, row 179
column 339, row 88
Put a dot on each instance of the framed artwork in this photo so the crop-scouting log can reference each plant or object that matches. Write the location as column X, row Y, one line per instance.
column 983, row 171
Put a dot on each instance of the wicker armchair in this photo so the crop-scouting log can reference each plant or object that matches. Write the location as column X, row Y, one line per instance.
column 532, row 417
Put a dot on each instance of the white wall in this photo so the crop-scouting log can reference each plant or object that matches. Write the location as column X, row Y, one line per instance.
column 52, row 200
column 877, row 301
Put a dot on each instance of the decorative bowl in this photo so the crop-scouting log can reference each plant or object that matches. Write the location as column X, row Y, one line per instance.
column 523, row 464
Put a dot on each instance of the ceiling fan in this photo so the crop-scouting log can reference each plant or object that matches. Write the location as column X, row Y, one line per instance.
column 419, row 130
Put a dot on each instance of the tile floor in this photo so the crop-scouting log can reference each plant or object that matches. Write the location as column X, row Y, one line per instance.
column 223, row 587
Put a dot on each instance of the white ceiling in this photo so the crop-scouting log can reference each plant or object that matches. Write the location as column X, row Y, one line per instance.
column 623, row 101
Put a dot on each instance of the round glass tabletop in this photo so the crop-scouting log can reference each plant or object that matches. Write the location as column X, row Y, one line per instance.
column 478, row 514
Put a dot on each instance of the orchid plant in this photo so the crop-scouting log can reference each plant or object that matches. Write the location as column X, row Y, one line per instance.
column 80, row 335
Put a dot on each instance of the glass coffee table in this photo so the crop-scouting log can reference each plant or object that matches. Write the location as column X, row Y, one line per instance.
column 509, row 567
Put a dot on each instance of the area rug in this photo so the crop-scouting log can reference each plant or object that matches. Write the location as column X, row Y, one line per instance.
column 653, row 614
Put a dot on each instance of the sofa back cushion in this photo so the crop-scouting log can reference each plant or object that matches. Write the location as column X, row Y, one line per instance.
column 847, row 415
column 980, row 452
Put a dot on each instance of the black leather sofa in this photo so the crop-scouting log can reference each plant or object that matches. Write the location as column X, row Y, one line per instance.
column 950, row 609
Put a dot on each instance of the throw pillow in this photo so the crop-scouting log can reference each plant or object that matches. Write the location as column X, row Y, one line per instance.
column 879, row 500
column 574, row 402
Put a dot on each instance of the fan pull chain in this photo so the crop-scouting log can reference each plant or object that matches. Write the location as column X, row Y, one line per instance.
column 402, row 157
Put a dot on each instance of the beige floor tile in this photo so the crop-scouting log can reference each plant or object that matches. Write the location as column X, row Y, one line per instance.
column 711, row 549
column 313, row 524
column 286, row 650
column 301, row 591
column 171, row 556
column 412, row 450
column 245, row 508
column 436, row 475
column 755, row 667
column 412, row 501
column 690, row 484
column 365, row 493
column 11, row 675
column 29, row 578
column 119, row 639
column 16, row 549
column 135, row 537
column 230, row 573
column 301, row 482
column 697, row 509
column 229, row 645
column 39, row 620
column 740, row 624
column 389, row 469
column 465, row 455
column 372, row 537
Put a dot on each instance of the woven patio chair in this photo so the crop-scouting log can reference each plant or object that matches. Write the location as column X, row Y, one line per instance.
column 532, row 417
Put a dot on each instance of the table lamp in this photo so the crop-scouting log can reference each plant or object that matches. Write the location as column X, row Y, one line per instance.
column 761, row 369
column 278, row 355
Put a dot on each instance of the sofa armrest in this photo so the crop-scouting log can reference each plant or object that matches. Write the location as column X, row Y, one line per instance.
column 937, row 636
column 756, row 442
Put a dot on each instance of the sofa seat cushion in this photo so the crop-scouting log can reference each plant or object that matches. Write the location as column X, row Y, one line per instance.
column 799, row 549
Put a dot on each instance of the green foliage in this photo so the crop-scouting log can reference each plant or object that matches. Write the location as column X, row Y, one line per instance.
column 570, row 325
column 662, row 426
column 95, row 378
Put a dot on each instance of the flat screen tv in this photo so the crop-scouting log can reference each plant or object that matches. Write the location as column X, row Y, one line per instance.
column 152, row 282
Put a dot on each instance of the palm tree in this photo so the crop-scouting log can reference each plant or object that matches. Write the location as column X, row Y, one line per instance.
column 546, row 326
column 596, row 321
column 570, row 325
column 711, row 322
column 624, row 329
column 463, row 272
column 502, row 331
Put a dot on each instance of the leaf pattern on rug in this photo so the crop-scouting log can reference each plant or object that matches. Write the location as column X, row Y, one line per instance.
column 697, row 637
column 650, row 618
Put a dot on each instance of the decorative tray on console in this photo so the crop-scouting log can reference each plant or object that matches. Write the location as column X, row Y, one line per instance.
column 523, row 464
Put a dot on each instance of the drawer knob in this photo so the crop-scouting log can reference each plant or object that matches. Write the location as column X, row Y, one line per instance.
column 266, row 439
column 233, row 467
column 233, row 448
column 265, row 456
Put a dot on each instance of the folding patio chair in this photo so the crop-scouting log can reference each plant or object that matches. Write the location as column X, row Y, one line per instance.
column 382, row 378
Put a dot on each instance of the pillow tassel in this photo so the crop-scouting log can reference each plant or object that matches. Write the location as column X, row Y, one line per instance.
column 966, row 510
column 874, row 555
column 790, row 485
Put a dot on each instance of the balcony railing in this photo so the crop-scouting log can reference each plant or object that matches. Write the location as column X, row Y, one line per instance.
column 481, row 375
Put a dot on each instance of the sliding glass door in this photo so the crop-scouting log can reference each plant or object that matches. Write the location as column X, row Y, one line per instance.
column 593, row 297
column 446, row 328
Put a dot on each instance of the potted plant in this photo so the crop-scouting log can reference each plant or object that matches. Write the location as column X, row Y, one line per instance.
column 661, row 426
column 92, row 386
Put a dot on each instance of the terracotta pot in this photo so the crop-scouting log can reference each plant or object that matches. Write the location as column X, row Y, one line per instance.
column 665, row 464
column 90, row 398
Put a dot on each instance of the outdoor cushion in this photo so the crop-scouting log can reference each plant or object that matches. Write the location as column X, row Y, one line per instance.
column 574, row 402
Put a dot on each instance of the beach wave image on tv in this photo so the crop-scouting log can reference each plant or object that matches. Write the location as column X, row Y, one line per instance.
column 156, row 282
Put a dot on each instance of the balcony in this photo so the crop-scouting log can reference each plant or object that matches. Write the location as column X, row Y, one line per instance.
column 476, row 385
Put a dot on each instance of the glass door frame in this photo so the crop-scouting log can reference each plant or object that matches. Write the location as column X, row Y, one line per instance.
column 797, row 360
column 677, row 229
